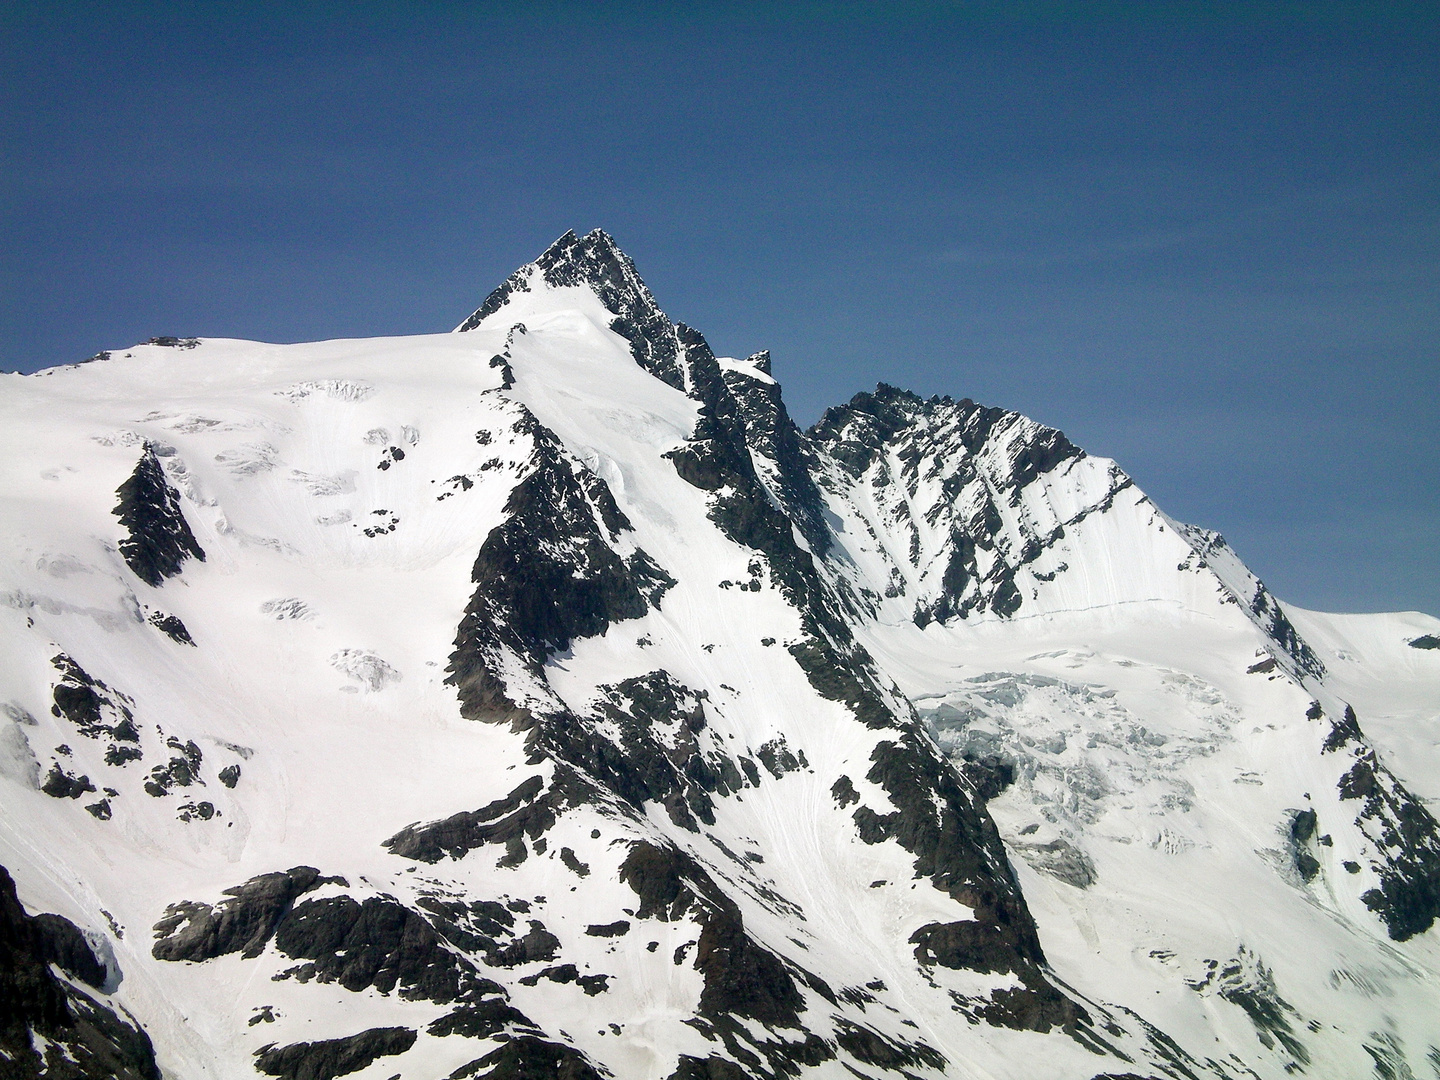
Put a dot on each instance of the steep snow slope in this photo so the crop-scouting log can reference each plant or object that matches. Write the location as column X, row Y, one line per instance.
column 537, row 700
column 1388, row 666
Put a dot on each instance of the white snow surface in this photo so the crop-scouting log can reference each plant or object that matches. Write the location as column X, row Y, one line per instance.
column 1156, row 775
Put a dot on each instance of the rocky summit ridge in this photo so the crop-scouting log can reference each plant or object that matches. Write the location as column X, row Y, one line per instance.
column 540, row 700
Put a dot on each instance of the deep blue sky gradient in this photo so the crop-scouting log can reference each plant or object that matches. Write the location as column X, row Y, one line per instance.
column 1205, row 245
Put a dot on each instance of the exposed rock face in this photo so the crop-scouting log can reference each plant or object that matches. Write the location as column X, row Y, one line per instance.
column 158, row 539
column 171, row 627
column 655, row 753
column 456, row 836
column 777, row 449
column 96, row 711
column 48, row 1026
column 244, row 923
column 549, row 574
column 334, row 1057
column 377, row 942
column 528, row 1058
column 951, row 477
column 1405, row 835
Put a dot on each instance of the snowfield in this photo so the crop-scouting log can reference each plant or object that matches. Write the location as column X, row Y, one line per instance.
column 537, row 700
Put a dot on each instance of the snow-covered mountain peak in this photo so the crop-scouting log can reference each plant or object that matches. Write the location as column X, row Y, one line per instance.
column 594, row 263
column 539, row 700
column 965, row 507
column 975, row 511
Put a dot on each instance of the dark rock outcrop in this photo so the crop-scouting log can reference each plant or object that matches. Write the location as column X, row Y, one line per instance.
column 741, row 977
column 427, row 952
column 181, row 770
column 171, row 627
column 502, row 821
column 329, row 1058
column 527, row 1057
column 482, row 1020
column 158, row 539
column 49, row 1028
column 710, row 1068
column 1405, row 835
column 59, row 783
column 375, row 942
column 244, row 923
column 868, row 1045
column 1302, row 832
column 784, row 463
column 989, row 774
column 548, row 574
column 97, row 711
column 618, row 928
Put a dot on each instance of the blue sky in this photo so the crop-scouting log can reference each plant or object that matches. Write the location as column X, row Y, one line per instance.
column 1206, row 245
